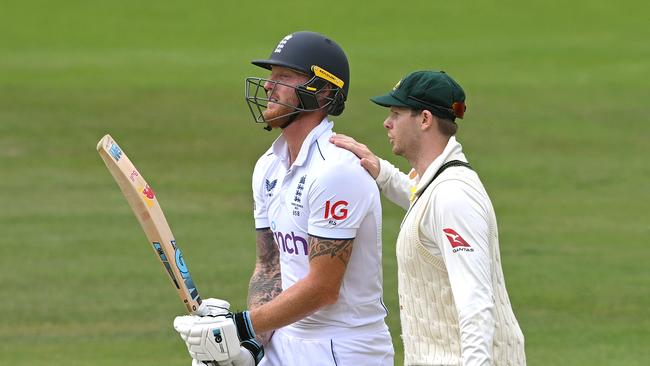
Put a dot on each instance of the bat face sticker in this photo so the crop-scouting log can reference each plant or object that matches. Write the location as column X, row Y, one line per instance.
column 148, row 195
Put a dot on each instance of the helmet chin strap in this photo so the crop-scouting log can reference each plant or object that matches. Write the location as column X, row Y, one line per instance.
column 286, row 124
column 290, row 120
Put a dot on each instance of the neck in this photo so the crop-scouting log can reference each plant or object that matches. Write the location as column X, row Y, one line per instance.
column 426, row 153
column 297, row 131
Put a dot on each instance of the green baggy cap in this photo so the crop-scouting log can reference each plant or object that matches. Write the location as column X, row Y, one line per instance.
column 434, row 91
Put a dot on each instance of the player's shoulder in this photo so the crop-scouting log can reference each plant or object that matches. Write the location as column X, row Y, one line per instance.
column 264, row 164
column 459, row 187
column 332, row 155
column 330, row 159
column 268, row 155
column 265, row 159
column 459, row 179
column 338, row 169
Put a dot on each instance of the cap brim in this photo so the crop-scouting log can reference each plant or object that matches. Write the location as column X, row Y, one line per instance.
column 388, row 100
column 262, row 63
column 267, row 64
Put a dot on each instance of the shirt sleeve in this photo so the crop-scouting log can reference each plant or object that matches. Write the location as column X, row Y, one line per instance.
column 458, row 223
column 260, row 211
column 339, row 199
column 394, row 184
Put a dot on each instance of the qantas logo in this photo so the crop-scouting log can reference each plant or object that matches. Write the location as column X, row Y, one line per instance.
column 457, row 242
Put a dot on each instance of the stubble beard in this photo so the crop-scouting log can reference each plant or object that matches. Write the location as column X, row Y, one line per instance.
column 395, row 148
column 280, row 114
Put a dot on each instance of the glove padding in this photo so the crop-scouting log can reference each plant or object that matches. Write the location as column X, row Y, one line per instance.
column 209, row 335
column 201, row 363
column 213, row 307
column 209, row 338
column 244, row 358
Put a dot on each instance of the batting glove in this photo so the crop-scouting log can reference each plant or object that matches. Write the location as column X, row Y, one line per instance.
column 245, row 331
column 226, row 338
column 213, row 307
column 208, row 338
column 246, row 334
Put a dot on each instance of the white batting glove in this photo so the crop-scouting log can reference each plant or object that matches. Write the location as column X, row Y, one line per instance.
column 200, row 363
column 244, row 358
column 213, row 307
column 209, row 338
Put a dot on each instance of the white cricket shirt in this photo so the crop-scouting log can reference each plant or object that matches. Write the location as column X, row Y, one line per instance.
column 324, row 193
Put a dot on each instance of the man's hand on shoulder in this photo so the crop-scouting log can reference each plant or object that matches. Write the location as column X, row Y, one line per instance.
column 369, row 160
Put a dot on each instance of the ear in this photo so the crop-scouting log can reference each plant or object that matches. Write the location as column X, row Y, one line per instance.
column 427, row 120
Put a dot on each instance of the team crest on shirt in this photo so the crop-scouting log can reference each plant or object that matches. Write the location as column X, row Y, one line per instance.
column 270, row 185
column 297, row 198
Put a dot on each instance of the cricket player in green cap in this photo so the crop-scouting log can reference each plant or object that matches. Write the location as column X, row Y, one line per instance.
column 454, row 307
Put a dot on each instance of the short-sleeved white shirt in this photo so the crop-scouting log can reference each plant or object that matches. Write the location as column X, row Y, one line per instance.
column 325, row 193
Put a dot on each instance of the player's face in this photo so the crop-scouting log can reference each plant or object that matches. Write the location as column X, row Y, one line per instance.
column 276, row 114
column 403, row 129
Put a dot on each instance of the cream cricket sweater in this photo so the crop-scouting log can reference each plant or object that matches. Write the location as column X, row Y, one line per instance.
column 454, row 306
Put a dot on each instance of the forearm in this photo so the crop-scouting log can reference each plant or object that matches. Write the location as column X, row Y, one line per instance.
column 328, row 259
column 265, row 285
column 266, row 281
column 395, row 185
column 477, row 338
column 299, row 301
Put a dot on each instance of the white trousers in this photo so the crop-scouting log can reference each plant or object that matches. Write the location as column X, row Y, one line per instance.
column 371, row 349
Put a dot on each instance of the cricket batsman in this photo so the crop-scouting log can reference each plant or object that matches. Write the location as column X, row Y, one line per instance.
column 315, row 296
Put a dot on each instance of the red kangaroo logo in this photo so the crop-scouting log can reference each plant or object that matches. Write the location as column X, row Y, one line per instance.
column 455, row 239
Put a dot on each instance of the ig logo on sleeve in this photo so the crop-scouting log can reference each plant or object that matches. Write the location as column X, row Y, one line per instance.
column 337, row 210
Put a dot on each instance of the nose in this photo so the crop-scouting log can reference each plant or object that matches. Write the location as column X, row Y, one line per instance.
column 268, row 85
column 387, row 124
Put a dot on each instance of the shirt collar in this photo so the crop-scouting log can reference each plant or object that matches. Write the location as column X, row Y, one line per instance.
column 453, row 151
column 281, row 150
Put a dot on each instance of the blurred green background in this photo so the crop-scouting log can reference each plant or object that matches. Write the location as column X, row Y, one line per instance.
column 557, row 126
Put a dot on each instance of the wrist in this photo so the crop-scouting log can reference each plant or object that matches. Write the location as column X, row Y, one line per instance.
column 244, row 325
column 255, row 348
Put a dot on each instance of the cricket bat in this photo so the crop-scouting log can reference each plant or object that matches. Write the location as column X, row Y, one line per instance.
column 146, row 208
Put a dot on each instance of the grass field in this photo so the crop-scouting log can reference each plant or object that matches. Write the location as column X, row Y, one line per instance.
column 557, row 126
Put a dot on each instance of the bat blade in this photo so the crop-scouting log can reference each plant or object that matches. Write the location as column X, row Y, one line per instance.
column 144, row 203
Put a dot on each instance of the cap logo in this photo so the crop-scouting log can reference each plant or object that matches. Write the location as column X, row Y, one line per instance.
column 324, row 74
column 397, row 85
column 283, row 42
column 459, row 109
